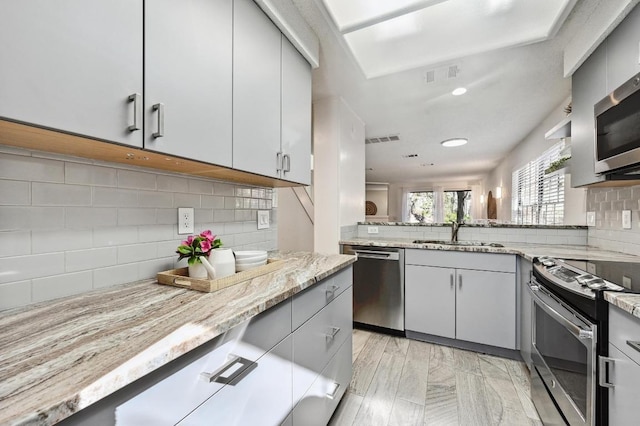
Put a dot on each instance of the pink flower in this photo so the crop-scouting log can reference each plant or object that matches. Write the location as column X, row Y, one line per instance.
column 188, row 241
column 205, row 245
column 207, row 234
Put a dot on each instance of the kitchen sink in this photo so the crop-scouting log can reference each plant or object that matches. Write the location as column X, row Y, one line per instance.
column 458, row 243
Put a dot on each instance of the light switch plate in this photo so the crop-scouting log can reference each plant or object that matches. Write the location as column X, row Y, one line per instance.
column 626, row 219
column 591, row 218
column 263, row 219
column 185, row 220
column 372, row 230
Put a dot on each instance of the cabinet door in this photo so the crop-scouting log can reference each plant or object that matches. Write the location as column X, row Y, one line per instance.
column 525, row 312
column 622, row 51
column 589, row 85
column 296, row 115
column 261, row 397
column 486, row 308
column 188, row 53
column 256, row 90
column 623, row 397
column 430, row 299
column 71, row 65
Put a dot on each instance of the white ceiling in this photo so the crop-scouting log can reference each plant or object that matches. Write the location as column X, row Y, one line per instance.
column 513, row 78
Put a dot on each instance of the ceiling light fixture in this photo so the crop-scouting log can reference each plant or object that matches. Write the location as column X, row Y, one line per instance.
column 449, row 143
column 459, row 91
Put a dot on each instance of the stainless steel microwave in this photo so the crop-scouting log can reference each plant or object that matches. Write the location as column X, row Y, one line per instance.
column 617, row 120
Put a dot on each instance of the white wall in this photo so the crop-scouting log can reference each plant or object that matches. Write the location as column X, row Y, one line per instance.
column 339, row 169
column 379, row 195
column 528, row 149
column 297, row 232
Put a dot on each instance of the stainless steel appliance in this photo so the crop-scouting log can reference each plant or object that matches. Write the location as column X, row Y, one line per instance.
column 570, row 336
column 378, row 287
column 617, row 120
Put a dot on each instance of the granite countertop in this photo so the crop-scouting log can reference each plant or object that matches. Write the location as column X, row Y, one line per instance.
column 476, row 225
column 627, row 302
column 60, row 356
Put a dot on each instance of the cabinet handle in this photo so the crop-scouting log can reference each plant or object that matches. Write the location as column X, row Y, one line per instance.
column 451, row 280
column 286, row 159
column 278, row 161
column 136, row 98
column 603, row 376
column 634, row 345
column 217, row 376
column 334, row 391
column 459, row 281
column 333, row 333
column 160, row 108
column 332, row 291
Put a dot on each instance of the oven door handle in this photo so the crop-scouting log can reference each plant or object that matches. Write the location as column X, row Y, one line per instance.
column 577, row 331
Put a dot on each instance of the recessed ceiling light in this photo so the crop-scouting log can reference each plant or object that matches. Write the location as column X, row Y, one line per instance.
column 459, row 91
column 454, row 142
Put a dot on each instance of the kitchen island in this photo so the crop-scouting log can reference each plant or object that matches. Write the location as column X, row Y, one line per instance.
column 60, row 357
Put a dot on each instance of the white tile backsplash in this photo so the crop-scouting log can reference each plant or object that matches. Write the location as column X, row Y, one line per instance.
column 69, row 225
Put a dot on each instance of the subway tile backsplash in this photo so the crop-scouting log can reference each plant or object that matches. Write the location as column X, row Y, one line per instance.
column 608, row 204
column 69, row 225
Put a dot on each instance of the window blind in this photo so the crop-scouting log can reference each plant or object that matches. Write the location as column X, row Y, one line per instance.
column 538, row 198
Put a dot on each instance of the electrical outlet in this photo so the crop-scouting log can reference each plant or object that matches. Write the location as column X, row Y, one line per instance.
column 591, row 218
column 372, row 230
column 263, row 219
column 185, row 220
column 626, row 219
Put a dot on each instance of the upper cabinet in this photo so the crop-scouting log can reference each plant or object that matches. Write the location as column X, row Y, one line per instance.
column 188, row 70
column 623, row 51
column 73, row 66
column 256, row 91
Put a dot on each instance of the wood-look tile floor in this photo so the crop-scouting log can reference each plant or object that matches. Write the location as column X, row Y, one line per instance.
column 398, row 381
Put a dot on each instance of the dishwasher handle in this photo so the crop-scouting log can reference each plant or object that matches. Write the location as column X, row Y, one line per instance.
column 380, row 255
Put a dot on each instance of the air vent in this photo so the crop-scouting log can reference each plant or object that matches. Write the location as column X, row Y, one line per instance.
column 382, row 139
column 430, row 76
column 441, row 74
column 453, row 71
column 410, row 156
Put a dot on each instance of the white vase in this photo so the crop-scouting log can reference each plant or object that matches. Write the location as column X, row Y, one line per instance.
column 223, row 262
column 197, row 270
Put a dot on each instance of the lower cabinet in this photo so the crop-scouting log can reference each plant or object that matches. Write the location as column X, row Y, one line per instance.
column 474, row 305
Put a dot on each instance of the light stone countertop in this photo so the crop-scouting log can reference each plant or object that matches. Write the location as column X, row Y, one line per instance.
column 627, row 302
column 61, row 356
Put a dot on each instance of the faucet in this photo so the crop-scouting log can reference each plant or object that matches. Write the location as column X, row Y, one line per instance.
column 455, row 227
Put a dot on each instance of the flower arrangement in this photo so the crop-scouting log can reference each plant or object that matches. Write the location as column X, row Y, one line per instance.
column 198, row 245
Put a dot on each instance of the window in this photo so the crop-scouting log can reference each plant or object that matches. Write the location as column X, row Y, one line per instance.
column 420, row 206
column 538, row 197
column 457, row 205
column 438, row 206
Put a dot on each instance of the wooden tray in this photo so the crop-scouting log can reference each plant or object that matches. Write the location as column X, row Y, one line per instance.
column 180, row 277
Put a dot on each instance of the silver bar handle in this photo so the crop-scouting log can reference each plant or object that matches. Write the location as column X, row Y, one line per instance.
column 331, row 291
column 634, row 345
column 332, row 334
column 577, row 331
column 334, row 391
column 136, row 98
column 278, row 161
column 459, row 280
column 603, row 376
column 160, row 108
column 286, row 159
column 218, row 375
column 451, row 280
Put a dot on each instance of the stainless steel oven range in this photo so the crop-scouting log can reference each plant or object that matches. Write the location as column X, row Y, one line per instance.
column 570, row 336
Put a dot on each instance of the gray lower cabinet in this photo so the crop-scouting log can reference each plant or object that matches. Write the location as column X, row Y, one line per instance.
column 474, row 305
column 524, row 270
column 188, row 78
column 73, row 65
column 624, row 367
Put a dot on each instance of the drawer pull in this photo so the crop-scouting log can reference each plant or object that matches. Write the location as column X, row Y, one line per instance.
column 635, row 345
column 334, row 391
column 243, row 367
column 332, row 334
column 332, row 291
column 603, row 374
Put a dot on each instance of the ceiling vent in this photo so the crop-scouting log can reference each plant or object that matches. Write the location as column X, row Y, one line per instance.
column 410, row 156
column 453, row 71
column 441, row 73
column 382, row 139
column 430, row 76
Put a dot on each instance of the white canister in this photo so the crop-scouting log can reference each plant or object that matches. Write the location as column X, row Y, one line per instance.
column 197, row 270
column 223, row 262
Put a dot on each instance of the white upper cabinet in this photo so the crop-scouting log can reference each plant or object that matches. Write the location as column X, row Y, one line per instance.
column 188, row 78
column 296, row 115
column 72, row 65
column 256, row 91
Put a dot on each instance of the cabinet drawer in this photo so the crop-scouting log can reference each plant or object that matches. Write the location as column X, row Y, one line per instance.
column 319, row 339
column 623, row 328
column 322, row 398
column 261, row 397
column 308, row 302
column 460, row 260
column 176, row 395
column 623, row 397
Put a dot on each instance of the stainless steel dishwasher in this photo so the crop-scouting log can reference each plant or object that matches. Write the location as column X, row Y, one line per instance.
column 378, row 286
